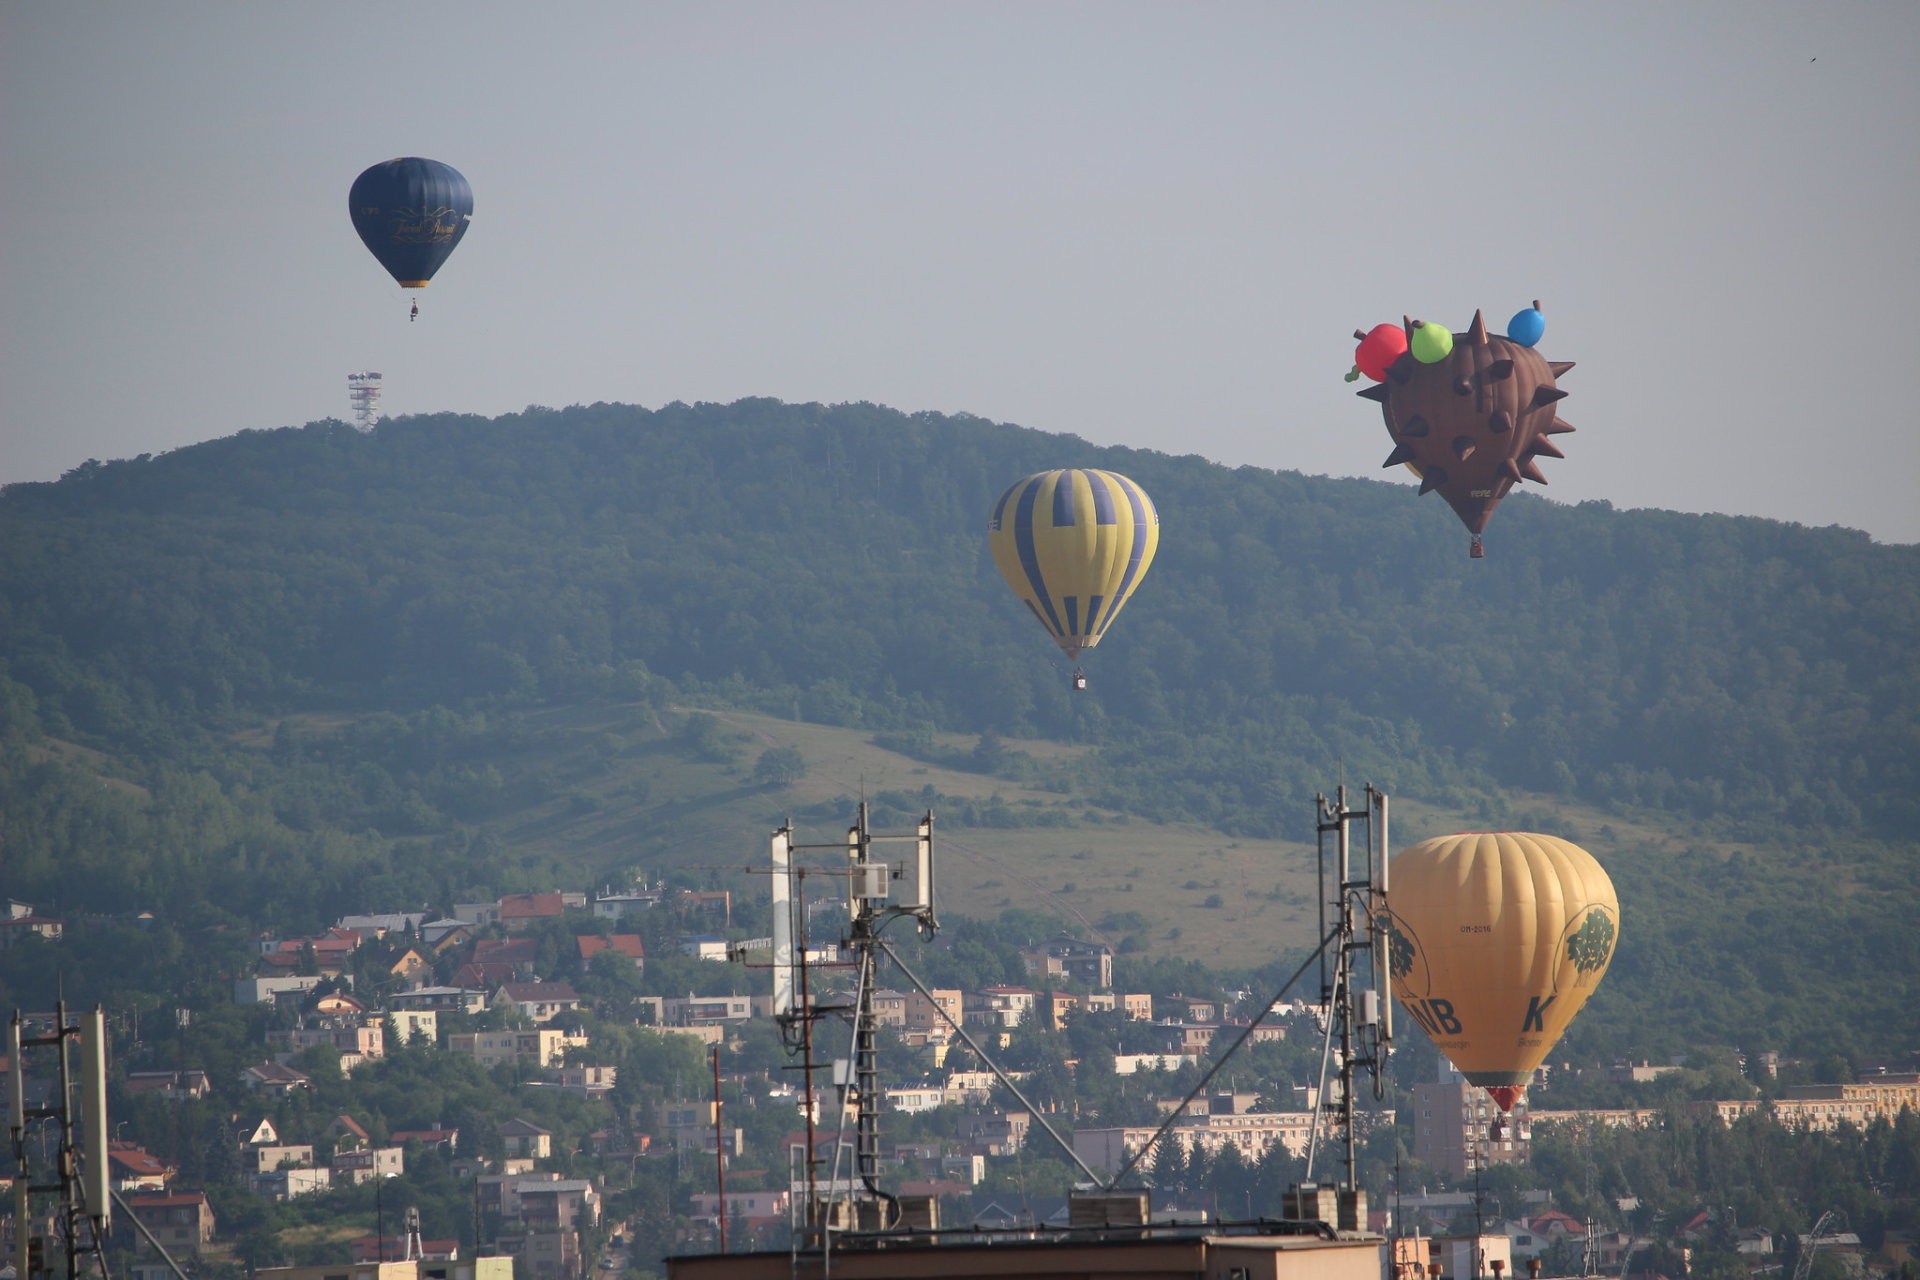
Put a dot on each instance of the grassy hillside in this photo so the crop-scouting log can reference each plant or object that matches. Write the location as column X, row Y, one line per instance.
column 1752, row 944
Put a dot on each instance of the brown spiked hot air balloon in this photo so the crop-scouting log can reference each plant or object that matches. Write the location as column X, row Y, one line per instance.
column 1471, row 415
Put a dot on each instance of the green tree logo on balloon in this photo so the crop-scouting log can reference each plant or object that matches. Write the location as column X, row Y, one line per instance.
column 1400, row 950
column 1590, row 948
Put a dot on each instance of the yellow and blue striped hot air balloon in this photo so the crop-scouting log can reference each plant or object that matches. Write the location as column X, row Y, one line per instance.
column 1073, row 545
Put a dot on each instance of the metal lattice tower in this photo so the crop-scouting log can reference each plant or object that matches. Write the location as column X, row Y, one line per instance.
column 363, row 392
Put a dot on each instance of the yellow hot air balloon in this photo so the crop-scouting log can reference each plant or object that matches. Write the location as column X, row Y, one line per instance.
column 1496, row 940
column 1073, row 545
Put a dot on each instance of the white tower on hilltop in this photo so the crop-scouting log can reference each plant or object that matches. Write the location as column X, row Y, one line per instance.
column 363, row 389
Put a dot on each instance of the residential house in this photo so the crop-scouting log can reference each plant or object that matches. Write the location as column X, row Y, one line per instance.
column 174, row 1086
column 1090, row 963
column 1125, row 1064
column 447, row 1140
column 1194, row 1008
column 890, row 1008
column 620, row 944
column 131, row 1168
column 1186, row 1037
column 374, row 928
column 442, row 936
column 704, row 946
column 562, row 1204
column 404, row 1024
column 348, row 1134
column 518, row 910
column 441, row 999
column 524, row 1139
column 699, row 1011
column 21, row 922
column 592, row 1081
column 288, row 1183
column 275, row 1078
column 261, row 1133
column 181, row 1221
column 543, row 1255
column 339, row 1009
column 540, row 1001
column 1135, row 1005
column 1641, row 1072
column 361, row 1040
column 291, row 986
column 933, row 1016
column 713, row 904
column 753, row 1207
column 351, row 1168
column 267, row 1157
column 477, row 915
column 411, row 968
column 522, row 953
column 689, row 1126
column 995, row 1135
column 1000, row 1007
column 612, row 906
column 543, row 1047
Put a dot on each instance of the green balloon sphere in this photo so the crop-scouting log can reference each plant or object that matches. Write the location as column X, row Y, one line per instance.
column 1431, row 343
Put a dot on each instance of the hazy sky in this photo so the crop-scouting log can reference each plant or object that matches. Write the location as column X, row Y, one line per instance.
column 1148, row 224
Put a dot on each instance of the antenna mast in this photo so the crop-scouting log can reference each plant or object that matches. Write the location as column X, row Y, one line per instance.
column 1356, row 1014
column 878, row 893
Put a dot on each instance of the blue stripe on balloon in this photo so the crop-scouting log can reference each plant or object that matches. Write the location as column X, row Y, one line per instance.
column 1137, row 501
column 1073, row 615
column 1029, row 556
column 1103, row 512
column 1063, row 512
column 1093, row 607
column 1000, row 507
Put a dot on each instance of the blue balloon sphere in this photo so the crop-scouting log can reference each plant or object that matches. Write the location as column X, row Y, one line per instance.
column 1526, row 327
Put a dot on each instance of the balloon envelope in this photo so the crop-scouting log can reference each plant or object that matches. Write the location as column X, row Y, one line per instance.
column 1073, row 545
column 410, row 213
column 1495, row 941
column 1474, row 422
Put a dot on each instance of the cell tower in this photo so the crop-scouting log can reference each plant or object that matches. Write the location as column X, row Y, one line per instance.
column 363, row 389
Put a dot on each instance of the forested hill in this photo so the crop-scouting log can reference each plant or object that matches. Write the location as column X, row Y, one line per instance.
column 830, row 562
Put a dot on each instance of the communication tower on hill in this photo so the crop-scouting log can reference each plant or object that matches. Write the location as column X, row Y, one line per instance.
column 363, row 390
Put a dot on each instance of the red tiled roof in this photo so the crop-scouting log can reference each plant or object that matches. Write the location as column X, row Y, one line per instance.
column 524, row 906
column 505, row 950
column 626, row 944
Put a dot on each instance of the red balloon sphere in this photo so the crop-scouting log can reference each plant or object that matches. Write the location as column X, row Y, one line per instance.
column 1383, row 344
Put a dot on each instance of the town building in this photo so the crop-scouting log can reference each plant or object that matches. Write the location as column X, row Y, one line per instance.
column 1458, row 1128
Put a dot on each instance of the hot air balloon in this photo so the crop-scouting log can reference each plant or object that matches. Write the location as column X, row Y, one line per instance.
column 1495, row 941
column 1073, row 545
column 1470, row 413
column 410, row 213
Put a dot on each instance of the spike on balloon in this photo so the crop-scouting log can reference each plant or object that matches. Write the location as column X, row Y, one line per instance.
column 1470, row 415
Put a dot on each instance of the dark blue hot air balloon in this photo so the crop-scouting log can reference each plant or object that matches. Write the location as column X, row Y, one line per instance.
column 411, row 212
